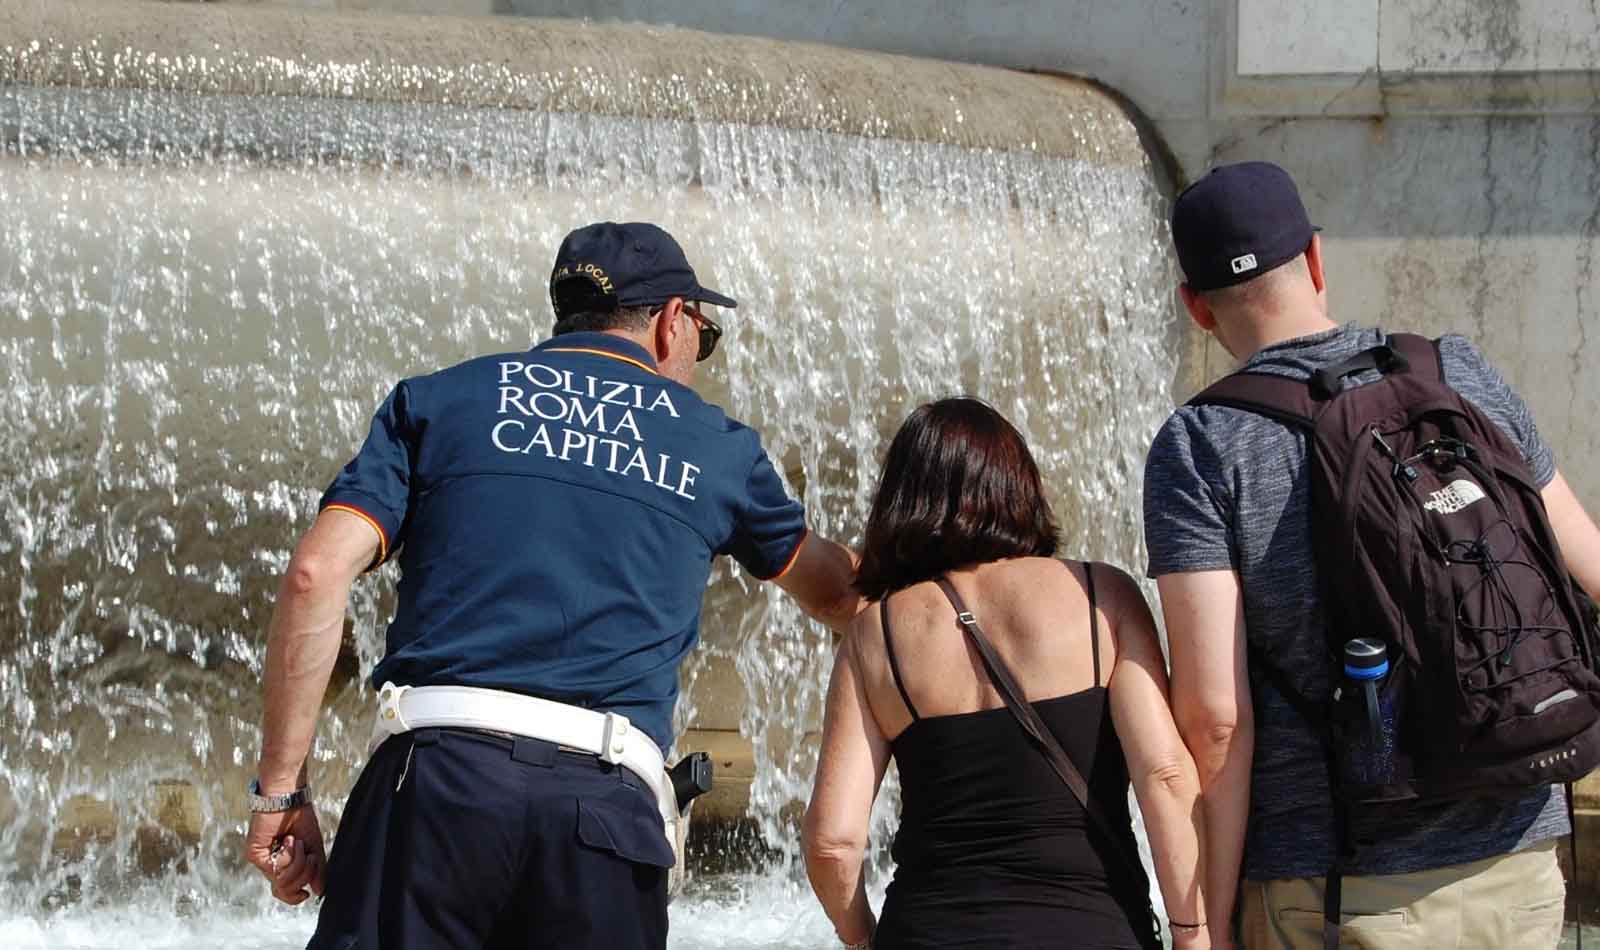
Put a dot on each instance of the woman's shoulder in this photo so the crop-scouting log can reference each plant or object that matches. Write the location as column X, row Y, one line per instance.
column 1069, row 572
column 1115, row 580
column 1114, row 590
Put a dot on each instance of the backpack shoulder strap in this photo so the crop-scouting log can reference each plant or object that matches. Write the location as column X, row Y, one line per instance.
column 1421, row 355
column 1289, row 401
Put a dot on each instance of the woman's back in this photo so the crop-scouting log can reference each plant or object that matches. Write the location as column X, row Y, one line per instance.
column 1034, row 610
column 992, row 849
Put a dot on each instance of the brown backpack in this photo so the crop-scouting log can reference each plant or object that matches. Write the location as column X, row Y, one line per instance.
column 1430, row 536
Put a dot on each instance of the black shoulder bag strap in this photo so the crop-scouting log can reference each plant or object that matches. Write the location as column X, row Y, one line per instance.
column 1029, row 719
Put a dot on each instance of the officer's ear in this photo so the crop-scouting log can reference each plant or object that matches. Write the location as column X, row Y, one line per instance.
column 667, row 329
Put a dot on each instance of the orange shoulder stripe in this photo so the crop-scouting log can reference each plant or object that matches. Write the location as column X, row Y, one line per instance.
column 591, row 352
column 793, row 557
column 383, row 538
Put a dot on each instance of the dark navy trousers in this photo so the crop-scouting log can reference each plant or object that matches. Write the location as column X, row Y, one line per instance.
column 460, row 839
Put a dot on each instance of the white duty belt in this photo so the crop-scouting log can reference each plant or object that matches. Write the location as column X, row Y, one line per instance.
column 609, row 736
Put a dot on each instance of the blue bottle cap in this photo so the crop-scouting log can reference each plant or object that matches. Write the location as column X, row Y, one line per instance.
column 1365, row 659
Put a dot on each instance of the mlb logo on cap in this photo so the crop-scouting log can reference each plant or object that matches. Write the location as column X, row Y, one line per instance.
column 1237, row 223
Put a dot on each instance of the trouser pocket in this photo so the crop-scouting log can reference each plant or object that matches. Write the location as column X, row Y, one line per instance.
column 623, row 823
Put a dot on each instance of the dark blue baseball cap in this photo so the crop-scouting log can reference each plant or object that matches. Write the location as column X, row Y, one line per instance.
column 1237, row 223
column 607, row 266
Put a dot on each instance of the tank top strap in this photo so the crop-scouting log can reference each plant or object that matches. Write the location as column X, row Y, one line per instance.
column 1094, row 618
column 894, row 663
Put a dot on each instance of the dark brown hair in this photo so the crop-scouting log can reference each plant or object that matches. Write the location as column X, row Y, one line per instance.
column 959, row 486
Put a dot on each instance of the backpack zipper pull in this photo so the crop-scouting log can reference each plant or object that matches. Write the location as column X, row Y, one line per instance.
column 1401, row 469
column 1387, row 450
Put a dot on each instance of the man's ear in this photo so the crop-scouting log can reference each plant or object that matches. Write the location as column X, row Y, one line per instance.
column 666, row 328
column 1199, row 310
column 1314, row 263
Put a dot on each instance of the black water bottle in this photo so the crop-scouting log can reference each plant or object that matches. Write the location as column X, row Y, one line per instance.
column 1371, row 758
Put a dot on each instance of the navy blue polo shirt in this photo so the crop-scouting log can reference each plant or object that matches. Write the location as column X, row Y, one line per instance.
column 555, row 513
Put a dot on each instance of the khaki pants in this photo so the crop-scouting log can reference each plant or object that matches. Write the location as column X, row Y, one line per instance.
column 1510, row 902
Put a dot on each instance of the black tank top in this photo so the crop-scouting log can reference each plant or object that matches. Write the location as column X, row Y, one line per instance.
column 993, row 851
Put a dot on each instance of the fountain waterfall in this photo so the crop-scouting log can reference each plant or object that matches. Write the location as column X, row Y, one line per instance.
column 230, row 231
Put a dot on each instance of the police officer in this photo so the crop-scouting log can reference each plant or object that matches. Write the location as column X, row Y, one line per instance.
column 555, row 513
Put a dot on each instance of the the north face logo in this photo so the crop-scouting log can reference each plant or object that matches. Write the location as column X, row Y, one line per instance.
column 1454, row 497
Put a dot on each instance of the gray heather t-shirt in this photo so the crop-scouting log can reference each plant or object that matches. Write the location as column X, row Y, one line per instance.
column 1225, row 488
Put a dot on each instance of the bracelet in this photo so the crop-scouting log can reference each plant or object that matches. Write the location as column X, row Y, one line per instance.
column 1176, row 925
column 863, row 945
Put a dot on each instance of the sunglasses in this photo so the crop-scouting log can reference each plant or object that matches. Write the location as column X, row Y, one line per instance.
column 710, row 332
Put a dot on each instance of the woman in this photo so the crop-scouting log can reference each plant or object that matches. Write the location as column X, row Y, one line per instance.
column 993, row 850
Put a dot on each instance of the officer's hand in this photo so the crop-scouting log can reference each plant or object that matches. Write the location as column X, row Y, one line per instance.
column 287, row 847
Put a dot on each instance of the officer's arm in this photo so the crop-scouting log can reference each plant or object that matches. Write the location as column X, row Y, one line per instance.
column 303, row 641
column 1211, row 704
column 821, row 579
column 1575, row 532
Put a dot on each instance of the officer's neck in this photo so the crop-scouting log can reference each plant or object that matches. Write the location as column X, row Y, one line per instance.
column 677, row 367
column 640, row 338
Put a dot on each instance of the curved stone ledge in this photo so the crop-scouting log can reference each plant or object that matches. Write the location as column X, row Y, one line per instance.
column 556, row 65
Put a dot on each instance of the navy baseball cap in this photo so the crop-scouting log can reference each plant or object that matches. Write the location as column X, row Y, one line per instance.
column 606, row 266
column 1237, row 223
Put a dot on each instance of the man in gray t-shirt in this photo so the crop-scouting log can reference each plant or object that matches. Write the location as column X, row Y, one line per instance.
column 1227, row 523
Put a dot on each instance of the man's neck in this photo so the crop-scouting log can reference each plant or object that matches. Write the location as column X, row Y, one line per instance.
column 1281, row 327
column 638, row 339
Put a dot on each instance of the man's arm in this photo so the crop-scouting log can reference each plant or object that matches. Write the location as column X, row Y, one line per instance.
column 1211, row 704
column 303, row 640
column 1575, row 532
column 821, row 579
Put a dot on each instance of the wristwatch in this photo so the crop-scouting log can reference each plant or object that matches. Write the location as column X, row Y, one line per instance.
column 260, row 804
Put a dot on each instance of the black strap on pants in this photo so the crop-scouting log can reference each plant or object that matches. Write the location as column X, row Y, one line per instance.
column 1572, row 842
column 1343, row 839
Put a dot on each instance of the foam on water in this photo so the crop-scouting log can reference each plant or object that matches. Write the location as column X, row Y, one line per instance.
column 749, row 913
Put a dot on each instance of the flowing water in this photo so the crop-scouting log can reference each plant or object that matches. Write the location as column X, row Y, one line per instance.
column 203, row 297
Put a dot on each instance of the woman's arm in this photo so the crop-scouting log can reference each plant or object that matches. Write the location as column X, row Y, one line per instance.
column 849, row 768
column 1212, row 706
column 1163, row 773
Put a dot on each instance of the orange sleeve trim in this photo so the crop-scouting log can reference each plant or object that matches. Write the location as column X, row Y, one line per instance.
column 383, row 538
column 615, row 356
column 792, row 557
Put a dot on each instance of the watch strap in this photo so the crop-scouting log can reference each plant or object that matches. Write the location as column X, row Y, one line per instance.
column 266, row 804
